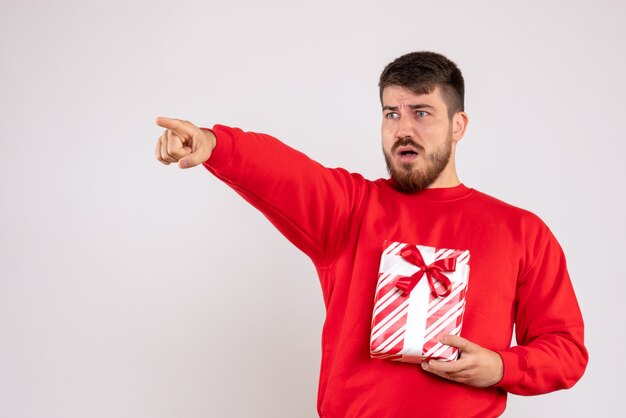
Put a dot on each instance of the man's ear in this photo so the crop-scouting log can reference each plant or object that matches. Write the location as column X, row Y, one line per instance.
column 459, row 125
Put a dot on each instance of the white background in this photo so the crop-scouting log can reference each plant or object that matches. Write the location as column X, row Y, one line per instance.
column 131, row 289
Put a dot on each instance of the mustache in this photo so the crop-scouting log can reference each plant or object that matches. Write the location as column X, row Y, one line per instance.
column 403, row 142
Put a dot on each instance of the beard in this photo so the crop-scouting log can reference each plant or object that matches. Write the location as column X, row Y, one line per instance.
column 415, row 176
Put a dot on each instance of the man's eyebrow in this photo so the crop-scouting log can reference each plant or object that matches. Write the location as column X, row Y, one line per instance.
column 421, row 106
column 414, row 107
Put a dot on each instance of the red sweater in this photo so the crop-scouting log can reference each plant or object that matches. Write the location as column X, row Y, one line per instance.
column 340, row 220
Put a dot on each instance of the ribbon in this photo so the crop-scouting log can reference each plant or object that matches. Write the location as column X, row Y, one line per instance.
column 433, row 272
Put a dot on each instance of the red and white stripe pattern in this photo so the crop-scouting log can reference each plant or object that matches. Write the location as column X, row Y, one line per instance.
column 407, row 327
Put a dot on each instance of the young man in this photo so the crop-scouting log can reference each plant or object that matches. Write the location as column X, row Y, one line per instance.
column 341, row 221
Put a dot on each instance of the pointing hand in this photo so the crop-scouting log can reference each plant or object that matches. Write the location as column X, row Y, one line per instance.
column 184, row 143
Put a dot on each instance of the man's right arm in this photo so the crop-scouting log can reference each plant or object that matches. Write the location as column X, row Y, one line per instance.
column 313, row 206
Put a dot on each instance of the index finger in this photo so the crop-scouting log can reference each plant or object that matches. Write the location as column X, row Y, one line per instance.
column 176, row 125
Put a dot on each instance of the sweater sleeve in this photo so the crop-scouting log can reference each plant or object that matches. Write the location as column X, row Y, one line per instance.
column 309, row 204
column 550, row 354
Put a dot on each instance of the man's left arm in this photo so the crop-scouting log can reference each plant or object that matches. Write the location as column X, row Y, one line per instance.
column 550, row 354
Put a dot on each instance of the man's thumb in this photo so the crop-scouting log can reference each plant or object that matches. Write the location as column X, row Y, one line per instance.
column 191, row 160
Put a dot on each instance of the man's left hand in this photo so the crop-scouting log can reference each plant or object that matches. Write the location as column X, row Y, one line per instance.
column 476, row 366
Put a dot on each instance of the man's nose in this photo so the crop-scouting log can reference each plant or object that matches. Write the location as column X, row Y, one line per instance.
column 405, row 127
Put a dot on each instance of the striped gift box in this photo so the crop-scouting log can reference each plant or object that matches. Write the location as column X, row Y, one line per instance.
column 420, row 296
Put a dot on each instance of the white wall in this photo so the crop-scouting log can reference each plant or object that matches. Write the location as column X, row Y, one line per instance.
column 121, row 292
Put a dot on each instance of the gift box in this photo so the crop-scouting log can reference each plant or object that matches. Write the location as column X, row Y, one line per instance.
column 420, row 296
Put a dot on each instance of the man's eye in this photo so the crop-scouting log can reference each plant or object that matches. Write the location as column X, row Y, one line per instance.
column 391, row 115
column 421, row 113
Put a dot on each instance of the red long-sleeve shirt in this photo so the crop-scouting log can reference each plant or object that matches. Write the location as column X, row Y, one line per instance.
column 340, row 220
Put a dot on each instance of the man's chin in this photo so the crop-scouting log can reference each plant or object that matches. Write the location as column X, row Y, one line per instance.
column 408, row 177
column 403, row 167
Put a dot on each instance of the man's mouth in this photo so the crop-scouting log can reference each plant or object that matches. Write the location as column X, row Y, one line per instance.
column 407, row 153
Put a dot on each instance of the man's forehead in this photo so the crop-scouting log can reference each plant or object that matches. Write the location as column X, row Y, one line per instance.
column 398, row 96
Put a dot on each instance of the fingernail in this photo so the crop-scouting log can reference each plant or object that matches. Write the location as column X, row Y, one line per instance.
column 442, row 339
column 425, row 365
column 183, row 164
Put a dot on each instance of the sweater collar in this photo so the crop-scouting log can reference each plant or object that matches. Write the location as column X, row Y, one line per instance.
column 445, row 193
column 440, row 193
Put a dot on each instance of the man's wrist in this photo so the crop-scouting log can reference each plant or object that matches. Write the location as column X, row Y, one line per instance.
column 210, row 136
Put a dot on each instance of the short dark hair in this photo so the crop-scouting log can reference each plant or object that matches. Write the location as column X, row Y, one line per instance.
column 422, row 72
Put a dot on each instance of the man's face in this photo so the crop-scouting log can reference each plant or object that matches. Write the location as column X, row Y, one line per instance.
column 416, row 136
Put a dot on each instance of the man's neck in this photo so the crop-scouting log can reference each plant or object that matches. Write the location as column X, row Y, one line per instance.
column 447, row 178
